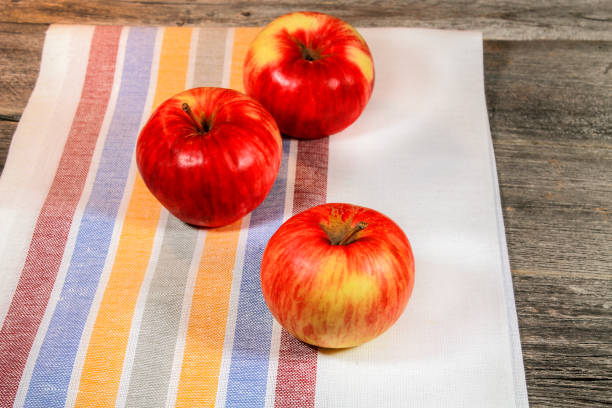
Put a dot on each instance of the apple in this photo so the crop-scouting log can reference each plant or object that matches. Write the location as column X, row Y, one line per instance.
column 313, row 72
column 209, row 155
column 337, row 275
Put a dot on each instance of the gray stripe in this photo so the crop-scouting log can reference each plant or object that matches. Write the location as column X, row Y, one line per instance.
column 154, row 355
column 210, row 57
column 162, row 315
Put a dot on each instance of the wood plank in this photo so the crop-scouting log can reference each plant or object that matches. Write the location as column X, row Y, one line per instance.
column 565, row 19
column 7, row 128
column 549, row 109
column 557, row 203
column 565, row 336
column 556, row 91
column 20, row 53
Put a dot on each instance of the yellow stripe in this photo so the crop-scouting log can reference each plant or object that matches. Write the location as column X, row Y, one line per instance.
column 107, row 345
column 210, row 302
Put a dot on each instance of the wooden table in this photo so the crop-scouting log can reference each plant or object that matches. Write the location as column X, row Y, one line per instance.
column 548, row 79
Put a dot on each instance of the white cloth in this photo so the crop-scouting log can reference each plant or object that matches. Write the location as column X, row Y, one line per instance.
column 422, row 154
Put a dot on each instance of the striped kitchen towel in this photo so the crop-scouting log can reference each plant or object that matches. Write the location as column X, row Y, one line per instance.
column 107, row 300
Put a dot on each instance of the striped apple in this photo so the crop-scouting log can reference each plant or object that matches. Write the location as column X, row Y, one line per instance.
column 337, row 275
column 209, row 155
column 312, row 71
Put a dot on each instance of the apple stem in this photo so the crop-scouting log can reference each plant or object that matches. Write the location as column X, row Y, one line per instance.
column 195, row 120
column 348, row 238
column 307, row 53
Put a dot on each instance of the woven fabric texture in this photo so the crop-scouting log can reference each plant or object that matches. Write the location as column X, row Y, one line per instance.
column 106, row 299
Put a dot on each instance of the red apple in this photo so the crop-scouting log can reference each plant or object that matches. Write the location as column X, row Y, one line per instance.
column 209, row 155
column 337, row 275
column 312, row 71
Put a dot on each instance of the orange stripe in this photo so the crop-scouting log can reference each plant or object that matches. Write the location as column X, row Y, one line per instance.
column 206, row 329
column 210, row 302
column 242, row 39
column 104, row 360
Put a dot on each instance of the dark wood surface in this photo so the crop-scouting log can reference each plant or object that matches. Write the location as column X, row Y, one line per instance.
column 548, row 79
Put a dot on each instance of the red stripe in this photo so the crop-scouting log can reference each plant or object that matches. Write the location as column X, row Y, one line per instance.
column 53, row 224
column 297, row 361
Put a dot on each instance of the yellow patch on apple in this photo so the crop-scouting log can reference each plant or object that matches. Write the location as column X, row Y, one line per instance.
column 363, row 61
column 265, row 46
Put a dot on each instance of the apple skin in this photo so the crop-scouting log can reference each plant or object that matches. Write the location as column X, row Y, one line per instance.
column 216, row 173
column 313, row 72
column 336, row 296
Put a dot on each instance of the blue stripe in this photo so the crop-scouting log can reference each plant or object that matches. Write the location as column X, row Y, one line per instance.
column 251, row 351
column 53, row 368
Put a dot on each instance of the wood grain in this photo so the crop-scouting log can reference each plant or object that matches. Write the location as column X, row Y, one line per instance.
column 561, row 19
column 20, row 49
column 7, row 128
column 550, row 107
column 548, row 80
